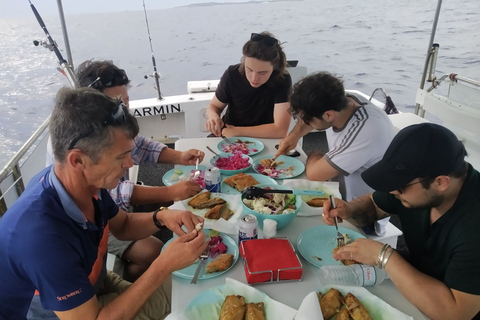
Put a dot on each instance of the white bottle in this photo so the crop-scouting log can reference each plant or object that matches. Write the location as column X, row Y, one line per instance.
column 359, row 275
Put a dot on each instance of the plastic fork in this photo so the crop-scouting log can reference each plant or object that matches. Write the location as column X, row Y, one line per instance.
column 196, row 174
column 340, row 238
column 203, row 257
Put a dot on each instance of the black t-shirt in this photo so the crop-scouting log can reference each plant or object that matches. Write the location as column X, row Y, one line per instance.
column 447, row 249
column 248, row 106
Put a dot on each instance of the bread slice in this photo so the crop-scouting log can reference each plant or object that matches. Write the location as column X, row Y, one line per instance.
column 240, row 181
column 209, row 203
column 199, row 199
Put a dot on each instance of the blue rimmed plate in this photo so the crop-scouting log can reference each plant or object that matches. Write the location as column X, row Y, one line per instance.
column 259, row 177
column 187, row 171
column 316, row 244
column 288, row 168
column 188, row 272
column 253, row 146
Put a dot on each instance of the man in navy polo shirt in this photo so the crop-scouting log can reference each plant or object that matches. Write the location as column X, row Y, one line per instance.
column 424, row 179
column 53, row 240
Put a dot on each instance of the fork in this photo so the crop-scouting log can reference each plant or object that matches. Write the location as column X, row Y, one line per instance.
column 196, row 174
column 226, row 140
column 203, row 257
column 340, row 238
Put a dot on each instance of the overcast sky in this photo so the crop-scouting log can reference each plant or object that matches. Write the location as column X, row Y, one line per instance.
column 21, row 8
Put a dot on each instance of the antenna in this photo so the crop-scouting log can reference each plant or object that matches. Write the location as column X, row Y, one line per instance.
column 155, row 74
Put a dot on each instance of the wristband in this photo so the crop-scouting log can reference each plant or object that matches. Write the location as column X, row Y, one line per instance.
column 381, row 255
column 387, row 256
column 157, row 223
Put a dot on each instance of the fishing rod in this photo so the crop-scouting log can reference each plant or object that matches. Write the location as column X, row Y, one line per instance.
column 66, row 68
column 155, row 74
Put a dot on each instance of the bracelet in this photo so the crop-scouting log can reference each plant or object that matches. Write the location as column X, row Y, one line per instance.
column 381, row 254
column 387, row 256
column 157, row 223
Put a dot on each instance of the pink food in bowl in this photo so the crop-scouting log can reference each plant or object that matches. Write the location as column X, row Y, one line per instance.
column 235, row 162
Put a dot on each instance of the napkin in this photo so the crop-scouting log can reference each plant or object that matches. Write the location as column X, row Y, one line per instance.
column 265, row 258
column 330, row 187
column 310, row 308
column 379, row 228
column 376, row 307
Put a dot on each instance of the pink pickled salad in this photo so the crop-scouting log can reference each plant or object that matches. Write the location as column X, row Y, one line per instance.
column 234, row 162
column 274, row 172
column 217, row 246
column 241, row 147
column 200, row 180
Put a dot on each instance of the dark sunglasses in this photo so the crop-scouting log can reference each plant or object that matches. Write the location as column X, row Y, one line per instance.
column 117, row 77
column 267, row 40
column 402, row 189
column 116, row 118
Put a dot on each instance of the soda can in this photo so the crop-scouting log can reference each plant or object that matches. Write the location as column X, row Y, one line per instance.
column 212, row 179
column 247, row 228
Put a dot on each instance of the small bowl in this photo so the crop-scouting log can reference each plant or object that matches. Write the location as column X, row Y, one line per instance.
column 229, row 155
column 282, row 219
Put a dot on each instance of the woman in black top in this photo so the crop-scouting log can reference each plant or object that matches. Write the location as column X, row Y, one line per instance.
column 256, row 92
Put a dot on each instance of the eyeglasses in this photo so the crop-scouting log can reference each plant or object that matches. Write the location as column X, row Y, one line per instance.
column 117, row 77
column 116, row 118
column 265, row 39
column 402, row 189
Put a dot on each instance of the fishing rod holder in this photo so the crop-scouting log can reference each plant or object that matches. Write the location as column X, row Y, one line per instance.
column 45, row 44
column 432, row 63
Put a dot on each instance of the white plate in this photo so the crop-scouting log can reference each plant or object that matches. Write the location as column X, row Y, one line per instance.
column 259, row 177
column 329, row 187
column 233, row 203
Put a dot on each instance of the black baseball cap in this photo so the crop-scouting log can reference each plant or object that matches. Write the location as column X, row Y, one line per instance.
column 420, row 150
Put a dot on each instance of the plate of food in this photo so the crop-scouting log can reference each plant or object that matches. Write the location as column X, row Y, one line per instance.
column 223, row 256
column 235, row 184
column 313, row 205
column 183, row 173
column 213, row 206
column 336, row 300
column 316, row 244
column 245, row 145
column 283, row 167
column 233, row 295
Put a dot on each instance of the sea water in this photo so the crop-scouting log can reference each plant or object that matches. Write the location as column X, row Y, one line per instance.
column 375, row 43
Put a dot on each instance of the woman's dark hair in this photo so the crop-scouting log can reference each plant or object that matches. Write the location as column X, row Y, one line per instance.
column 265, row 47
column 100, row 75
column 315, row 94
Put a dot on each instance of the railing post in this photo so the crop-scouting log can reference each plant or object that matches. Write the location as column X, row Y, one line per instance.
column 16, row 173
column 3, row 205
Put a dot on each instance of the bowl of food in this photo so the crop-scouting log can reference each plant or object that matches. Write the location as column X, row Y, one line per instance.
column 281, row 207
column 230, row 164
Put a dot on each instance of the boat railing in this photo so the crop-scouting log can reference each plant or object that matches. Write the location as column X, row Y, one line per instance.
column 13, row 168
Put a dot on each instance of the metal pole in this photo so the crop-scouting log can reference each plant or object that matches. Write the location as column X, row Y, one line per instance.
column 432, row 38
column 65, row 33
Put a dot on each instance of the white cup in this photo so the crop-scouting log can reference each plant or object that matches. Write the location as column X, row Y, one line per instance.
column 269, row 228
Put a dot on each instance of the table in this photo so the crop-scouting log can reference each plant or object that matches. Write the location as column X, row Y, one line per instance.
column 289, row 293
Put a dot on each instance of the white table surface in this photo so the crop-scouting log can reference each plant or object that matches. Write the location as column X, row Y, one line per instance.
column 289, row 293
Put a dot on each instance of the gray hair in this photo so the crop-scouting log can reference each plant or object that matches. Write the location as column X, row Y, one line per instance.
column 78, row 111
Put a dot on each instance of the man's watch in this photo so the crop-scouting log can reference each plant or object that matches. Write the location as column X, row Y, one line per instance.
column 157, row 223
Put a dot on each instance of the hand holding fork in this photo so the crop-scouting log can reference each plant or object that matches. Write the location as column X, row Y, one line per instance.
column 340, row 238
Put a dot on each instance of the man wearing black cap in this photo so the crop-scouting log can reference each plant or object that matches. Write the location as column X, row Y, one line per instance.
column 423, row 178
